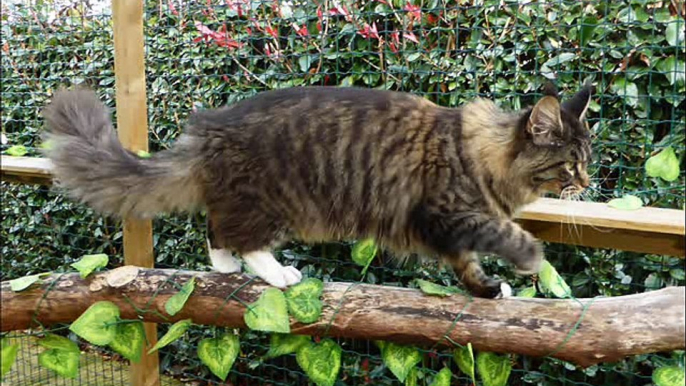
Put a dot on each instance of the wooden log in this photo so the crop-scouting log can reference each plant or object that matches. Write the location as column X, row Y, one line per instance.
column 581, row 331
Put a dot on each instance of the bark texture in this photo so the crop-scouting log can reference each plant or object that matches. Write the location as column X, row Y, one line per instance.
column 581, row 331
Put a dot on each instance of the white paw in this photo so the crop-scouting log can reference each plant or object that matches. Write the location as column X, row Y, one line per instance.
column 224, row 262
column 505, row 291
column 268, row 269
column 292, row 275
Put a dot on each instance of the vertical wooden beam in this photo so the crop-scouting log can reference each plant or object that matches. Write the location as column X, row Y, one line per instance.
column 132, row 124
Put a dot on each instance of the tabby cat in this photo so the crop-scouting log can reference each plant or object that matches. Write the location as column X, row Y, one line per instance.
column 321, row 164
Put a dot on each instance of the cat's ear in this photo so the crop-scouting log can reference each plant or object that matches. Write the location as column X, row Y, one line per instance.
column 578, row 104
column 545, row 122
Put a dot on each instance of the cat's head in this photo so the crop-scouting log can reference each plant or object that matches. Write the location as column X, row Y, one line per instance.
column 557, row 143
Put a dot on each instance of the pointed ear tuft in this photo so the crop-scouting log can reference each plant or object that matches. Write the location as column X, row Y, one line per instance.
column 545, row 123
column 549, row 89
column 578, row 104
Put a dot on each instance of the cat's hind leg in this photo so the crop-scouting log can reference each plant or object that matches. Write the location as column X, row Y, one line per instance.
column 252, row 234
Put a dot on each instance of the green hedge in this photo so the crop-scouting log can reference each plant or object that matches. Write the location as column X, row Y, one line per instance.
column 201, row 56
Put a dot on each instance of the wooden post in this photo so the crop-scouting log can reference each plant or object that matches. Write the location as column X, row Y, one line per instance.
column 132, row 123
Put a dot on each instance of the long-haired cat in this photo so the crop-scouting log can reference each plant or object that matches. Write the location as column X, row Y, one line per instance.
column 326, row 163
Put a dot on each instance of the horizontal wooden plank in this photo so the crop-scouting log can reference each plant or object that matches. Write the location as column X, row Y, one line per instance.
column 647, row 230
column 597, row 214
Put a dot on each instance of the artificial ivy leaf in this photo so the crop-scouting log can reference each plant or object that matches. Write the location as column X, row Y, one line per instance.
column 442, row 378
column 89, row 263
column 551, row 282
column 98, row 323
column 8, row 354
column 269, row 313
column 627, row 202
column 321, row 362
column 303, row 300
column 528, row 292
column 52, row 341
column 430, row 288
column 493, row 369
column 218, row 354
column 400, row 359
column 143, row 154
column 664, row 165
column 464, row 357
column 669, row 376
column 63, row 362
column 282, row 344
column 175, row 332
column 363, row 253
column 412, row 377
column 175, row 303
column 22, row 283
column 129, row 340
column 17, row 151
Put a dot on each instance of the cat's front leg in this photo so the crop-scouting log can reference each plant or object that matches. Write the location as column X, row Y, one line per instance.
column 451, row 234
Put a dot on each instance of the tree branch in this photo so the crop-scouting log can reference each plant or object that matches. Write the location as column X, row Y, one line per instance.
column 608, row 328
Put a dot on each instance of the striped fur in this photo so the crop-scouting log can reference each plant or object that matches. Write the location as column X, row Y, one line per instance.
column 321, row 164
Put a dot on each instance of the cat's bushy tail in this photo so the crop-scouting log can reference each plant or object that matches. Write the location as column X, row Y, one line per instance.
column 93, row 167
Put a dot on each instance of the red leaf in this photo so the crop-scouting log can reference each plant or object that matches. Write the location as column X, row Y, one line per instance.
column 410, row 36
column 301, row 31
column 414, row 11
column 369, row 32
column 272, row 31
column 431, row 18
column 173, row 10
column 383, row 2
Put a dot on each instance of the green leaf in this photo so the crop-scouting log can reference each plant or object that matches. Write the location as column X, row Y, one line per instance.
column 175, row 303
column 669, row 376
column 175, row 332
column 363, row 253
column 627, row 202
column 627, row 89
column 321, row 362
column 97, row 324
column 129, row 340
column 22, row 283
column 52, row 341
column 675, row 32
column 400, row 359
column 218, row 354
column 559, row 59
column 89, row 263
column 17, row 151
column 528, row 292
column 63, row 362
column 493, row 369
column 305, row 61
column 8, row 354
column 412, row 377
column 303, row 300
column 673, row 69
column 464, row 357
column 588, row 26
column 442, row 378
column 551, row 282
column 664, row 165
column 269, row 313
column 282, row 344
column 430, row 288
column 143, row 154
